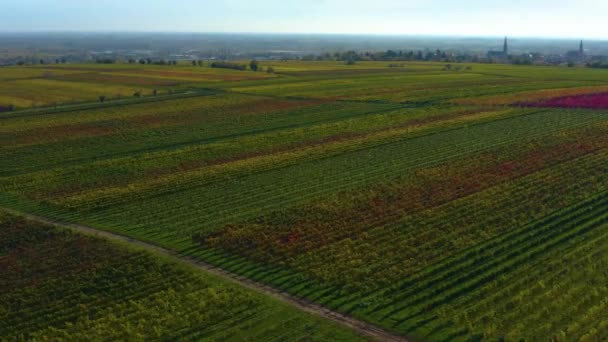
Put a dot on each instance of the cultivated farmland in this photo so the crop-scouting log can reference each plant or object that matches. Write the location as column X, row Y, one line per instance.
column 59, row 285
column 437, row 203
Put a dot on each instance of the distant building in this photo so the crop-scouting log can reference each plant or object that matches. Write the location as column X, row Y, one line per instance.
column 576, row 55
column 502, row 55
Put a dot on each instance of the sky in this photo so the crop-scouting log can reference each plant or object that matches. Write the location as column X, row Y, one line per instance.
column 525, row 18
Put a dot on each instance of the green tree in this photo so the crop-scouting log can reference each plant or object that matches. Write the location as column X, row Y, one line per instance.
column 253, row 65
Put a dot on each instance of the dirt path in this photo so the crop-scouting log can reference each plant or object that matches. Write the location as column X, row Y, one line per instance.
column 359, row 326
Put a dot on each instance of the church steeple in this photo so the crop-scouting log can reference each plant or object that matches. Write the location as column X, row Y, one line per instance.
column 581, row 49
column 505, row 48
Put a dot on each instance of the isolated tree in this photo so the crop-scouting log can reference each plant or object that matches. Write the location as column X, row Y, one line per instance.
column 102, row 98
column 270, row 70
column 193, row 63
column 154, row 92
column 253, row 65
column 42, row 61
column 142, row 61
column 390, row 54
column 350, row 57
column 200, row 63
column 137, row 94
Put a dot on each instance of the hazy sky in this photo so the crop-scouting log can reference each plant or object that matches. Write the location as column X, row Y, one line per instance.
column 540, row 18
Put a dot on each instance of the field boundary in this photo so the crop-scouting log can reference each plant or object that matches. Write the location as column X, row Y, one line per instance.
column 361, row 327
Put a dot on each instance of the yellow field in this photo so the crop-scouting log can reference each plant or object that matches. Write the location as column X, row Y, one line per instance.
column 44, row 85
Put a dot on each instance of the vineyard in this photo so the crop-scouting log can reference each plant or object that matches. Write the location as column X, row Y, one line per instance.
column 58, row 285
column 438, row 203
column 60, row 84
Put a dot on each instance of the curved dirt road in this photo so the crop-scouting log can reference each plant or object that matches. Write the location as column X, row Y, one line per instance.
column 359, row 326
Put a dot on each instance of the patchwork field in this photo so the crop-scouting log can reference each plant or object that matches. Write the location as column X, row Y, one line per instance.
column 58, row 285
column 438, row 203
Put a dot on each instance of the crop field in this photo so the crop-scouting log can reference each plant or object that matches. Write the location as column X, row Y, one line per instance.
column 59, row 285
column 54, row 85
column 592, row 101
column 440, row 203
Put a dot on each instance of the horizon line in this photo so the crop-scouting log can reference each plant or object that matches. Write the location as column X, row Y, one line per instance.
column 355, row 34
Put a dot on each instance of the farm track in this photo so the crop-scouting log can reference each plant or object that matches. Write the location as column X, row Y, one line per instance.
column 67, row 108
column 359, row 326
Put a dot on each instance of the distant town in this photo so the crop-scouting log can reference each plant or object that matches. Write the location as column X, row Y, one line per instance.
column 569, row 58
column 204, row 49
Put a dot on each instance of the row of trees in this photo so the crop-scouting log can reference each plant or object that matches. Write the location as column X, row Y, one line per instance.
column 150, row 61
column 43, row 61
column 229, row 65
column 597, row 65
column 350, row 57
column 102, row 98
column 253, row 65
column 109, row 60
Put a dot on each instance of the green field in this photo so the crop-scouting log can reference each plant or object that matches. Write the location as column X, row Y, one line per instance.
column 441, row 204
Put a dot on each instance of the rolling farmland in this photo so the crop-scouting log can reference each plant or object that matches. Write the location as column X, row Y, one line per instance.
column 437, row 203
